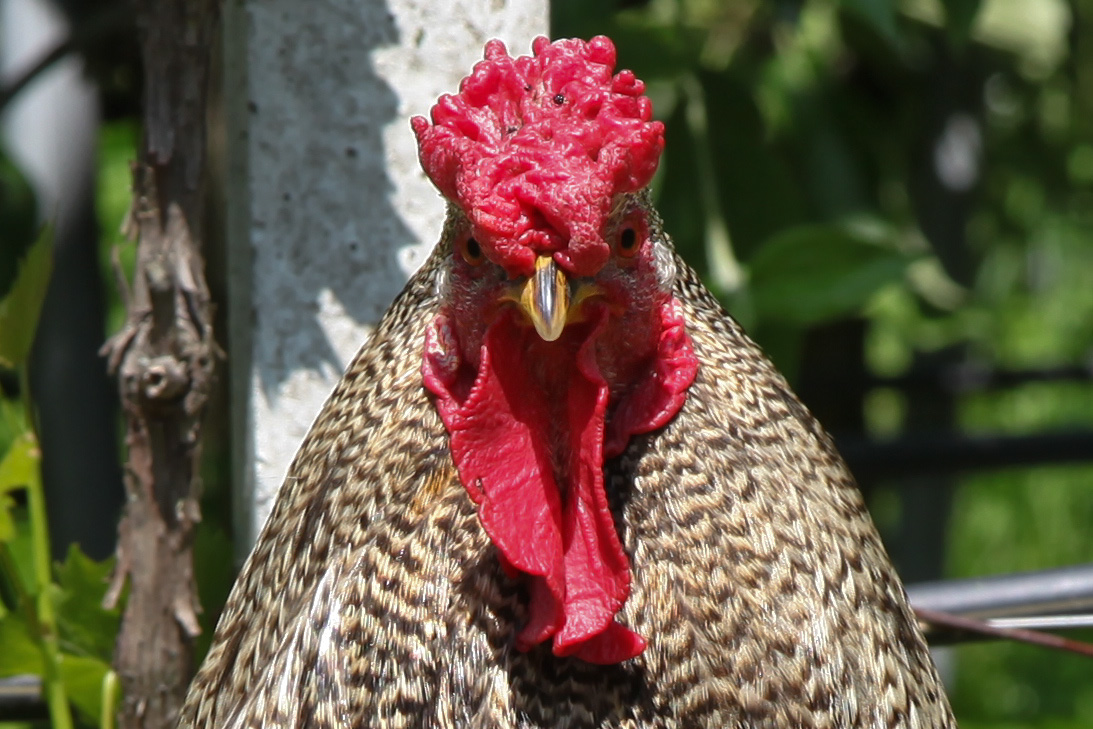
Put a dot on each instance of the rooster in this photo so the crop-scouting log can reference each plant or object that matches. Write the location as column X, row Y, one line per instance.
column 559, row 486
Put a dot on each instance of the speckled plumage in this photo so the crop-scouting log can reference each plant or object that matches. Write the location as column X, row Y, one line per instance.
column 374, row 599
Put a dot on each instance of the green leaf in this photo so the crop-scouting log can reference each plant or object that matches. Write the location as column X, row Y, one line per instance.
column 881, row 14
column 13, row 594
column 16, row 555
column 650, row 48
column 7, row 524
column 20, row 465
column 653, row 51
column 86, row 628
column 214, row 579
column 755, row 189
column 814, row 273
column 679, row 196
column 82, row 678
column 20, row 308
column 18, row 219
column 960, row 19
column 13, row 422
column 20, row 654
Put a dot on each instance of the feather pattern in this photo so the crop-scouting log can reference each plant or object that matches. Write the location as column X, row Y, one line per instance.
column 373, row 598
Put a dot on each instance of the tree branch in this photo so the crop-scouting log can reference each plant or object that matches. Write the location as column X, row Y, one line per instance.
column 163, row 358
column 1034, row 637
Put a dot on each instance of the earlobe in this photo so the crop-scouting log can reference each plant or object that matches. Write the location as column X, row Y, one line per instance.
column 664, row 263
column 443, row 283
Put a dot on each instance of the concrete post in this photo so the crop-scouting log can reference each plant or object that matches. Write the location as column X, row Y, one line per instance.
column 328, row 211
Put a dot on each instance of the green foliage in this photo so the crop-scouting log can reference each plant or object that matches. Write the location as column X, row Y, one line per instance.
column 18, row 220
column 960, row 16
column 214, row 574
column 761, row 186
column 746, row 168
column 117, row 145
column 87, row 629
column 815, row 273
column 55, row 629
column 17, row 469
column 881, row 14
column 83, row 679
column 20, row 654
column 20, row 308
column 86, row 633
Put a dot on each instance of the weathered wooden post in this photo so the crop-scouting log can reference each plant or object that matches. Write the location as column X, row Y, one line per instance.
column 163, row 358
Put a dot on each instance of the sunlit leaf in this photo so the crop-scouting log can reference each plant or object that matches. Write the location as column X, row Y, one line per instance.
column 816, row 273
column 82, row 678
column 20, row 308
column 19, row 466
column 86, row 628
column 13, row 422
column 20, row 550
column 7, row 524
column 20, row 653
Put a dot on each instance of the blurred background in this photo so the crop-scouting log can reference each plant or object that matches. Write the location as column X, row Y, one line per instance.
column 895, row 197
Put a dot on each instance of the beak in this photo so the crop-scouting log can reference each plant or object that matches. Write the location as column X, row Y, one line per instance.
column 545, row 298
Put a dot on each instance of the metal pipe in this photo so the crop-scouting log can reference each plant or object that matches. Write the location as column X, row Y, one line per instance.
column 1044, row 592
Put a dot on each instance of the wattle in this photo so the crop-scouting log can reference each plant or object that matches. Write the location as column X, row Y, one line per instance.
column 528, row 440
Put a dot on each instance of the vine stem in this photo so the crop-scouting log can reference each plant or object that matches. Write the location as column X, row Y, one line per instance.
column 110, row 692
column 56, row 698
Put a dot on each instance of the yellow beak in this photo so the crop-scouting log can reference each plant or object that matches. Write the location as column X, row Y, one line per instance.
column 545, row 298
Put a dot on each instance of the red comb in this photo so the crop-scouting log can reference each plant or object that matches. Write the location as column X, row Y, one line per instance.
column 535, row 150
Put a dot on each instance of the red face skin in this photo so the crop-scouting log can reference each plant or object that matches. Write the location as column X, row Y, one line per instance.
column 532, row 423
column 538, row 154
column 479, row 293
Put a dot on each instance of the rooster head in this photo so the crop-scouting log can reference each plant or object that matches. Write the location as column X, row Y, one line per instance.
column 558, row 337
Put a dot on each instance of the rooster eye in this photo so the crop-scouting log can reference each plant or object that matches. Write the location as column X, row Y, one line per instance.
column 471, row 250
column 628, row 242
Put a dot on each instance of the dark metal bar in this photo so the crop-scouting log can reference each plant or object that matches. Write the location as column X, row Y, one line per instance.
column 955, row 379
column 21, row 699
column 928, row 453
